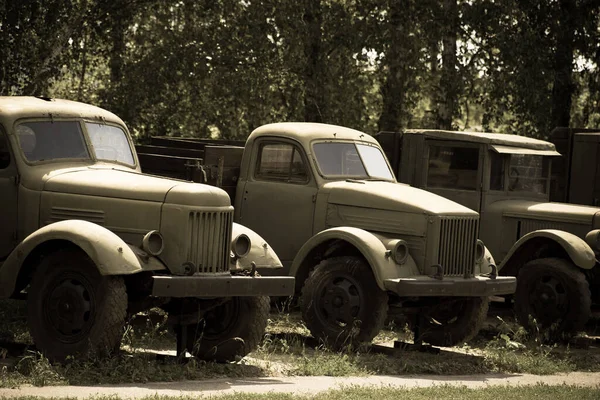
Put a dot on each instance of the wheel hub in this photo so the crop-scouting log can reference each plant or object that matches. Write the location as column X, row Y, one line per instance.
column 549, row 300
column 69, row 308
column 340, row 301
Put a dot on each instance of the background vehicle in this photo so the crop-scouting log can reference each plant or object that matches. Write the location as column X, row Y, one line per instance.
column 87, row 238
column 575, row 175
column 506, row 178
column 357, row 241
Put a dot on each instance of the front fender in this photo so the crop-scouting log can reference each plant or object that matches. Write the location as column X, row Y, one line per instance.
column 260, row 252
column 577, row 249
column 369, row 245
column 109, row 252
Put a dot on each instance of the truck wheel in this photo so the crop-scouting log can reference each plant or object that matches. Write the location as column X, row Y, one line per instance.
column 341, row 302
column 556, row 294
column 454, row 321
column 230, row 331
column 74, row 311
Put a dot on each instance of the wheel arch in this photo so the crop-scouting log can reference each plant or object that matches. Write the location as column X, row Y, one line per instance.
column 547, row 243
column 342, row 241
column 110, row 254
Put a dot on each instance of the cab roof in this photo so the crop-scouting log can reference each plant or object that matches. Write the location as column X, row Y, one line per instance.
column 13, row 108
column 306, row 132
column 501, row 139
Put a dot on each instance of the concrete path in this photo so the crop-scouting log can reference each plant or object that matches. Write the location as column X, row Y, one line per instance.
column 299, row 385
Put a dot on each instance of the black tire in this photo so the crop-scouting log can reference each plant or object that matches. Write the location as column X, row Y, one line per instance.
column 74, row 311
column 556, row 294
column 342, row 304
column 230, row 331
column 454, row 321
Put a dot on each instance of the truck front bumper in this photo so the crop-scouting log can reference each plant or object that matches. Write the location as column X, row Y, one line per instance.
column 222, row 286
column 451, row 286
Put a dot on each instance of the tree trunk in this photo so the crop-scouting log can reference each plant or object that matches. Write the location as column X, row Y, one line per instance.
column 394, row 86
column 449, row 80
column 563, row 88
column 314, row 99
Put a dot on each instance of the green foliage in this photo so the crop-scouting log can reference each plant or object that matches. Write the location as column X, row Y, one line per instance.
column 222, row 68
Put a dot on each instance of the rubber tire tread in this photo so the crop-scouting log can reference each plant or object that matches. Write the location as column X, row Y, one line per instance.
column 104, row 338
column 580, row 309
column 376, row 307
column 463, row 329
column 247, row 334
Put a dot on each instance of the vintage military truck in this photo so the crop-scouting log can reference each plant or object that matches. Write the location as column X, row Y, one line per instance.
column 86, row 238
column 551, row 247
column 356, row 241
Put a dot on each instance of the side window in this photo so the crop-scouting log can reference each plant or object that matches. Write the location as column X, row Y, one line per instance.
column 281, row 162
column 453, row 167
column 496, row 171
column 4, row 151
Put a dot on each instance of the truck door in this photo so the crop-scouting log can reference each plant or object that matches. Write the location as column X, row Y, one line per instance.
column 454, row 171
column 8, row 198
column 278, row 197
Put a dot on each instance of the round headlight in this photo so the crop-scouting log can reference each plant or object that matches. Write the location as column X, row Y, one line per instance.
column 400, row 252
column 153, row 243
column 593, row 239
column 479, row 251
column 241, row 245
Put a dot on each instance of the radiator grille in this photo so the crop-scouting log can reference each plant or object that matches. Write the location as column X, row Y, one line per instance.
column 458, row 238
column 210, row 238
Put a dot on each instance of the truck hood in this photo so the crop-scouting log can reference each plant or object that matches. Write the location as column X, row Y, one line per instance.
column 392, row 196
column 118, row 183
column 559, row 212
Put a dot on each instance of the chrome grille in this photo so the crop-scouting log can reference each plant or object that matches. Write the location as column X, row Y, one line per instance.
column 458, row 238
column 210, row 238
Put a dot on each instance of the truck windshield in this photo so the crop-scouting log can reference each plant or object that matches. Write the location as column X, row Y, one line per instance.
column 352, row 160
column 52, row 140
column 110, row 143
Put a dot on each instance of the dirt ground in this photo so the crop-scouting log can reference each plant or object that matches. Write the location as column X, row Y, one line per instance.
column 297, row 385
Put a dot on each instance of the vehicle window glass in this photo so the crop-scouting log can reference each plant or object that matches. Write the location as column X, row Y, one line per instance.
column 279, row 161
column 110, row 143
column 45, row 141
column 298, row 171
column 496, row 171
column 528, row 173
column 374, row 162
column 453, row 167
column 4, row 152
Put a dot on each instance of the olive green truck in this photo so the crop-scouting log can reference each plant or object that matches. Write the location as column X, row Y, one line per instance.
column 552, row 248
column 360, row 245
column 87, row 240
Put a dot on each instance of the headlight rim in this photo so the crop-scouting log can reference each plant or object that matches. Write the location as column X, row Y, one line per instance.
column 241, row 238
column 153, row 243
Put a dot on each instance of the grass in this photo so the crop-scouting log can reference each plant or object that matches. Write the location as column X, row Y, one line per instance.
column 390, row 393
column 288, row 350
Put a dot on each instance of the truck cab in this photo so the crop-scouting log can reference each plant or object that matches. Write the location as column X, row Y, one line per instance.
column 86, row 238
column 507, row 178
column 358, row 243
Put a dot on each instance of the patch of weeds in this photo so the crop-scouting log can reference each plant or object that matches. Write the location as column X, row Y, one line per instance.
column 140, row 368
column 519, row 352
column 11, row 379
column 149, row 330
column 287, row 323
column 13, row 321
column 326, row 363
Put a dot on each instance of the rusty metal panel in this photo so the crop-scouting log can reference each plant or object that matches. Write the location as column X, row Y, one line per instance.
column 458, row 237
column 209, row 236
